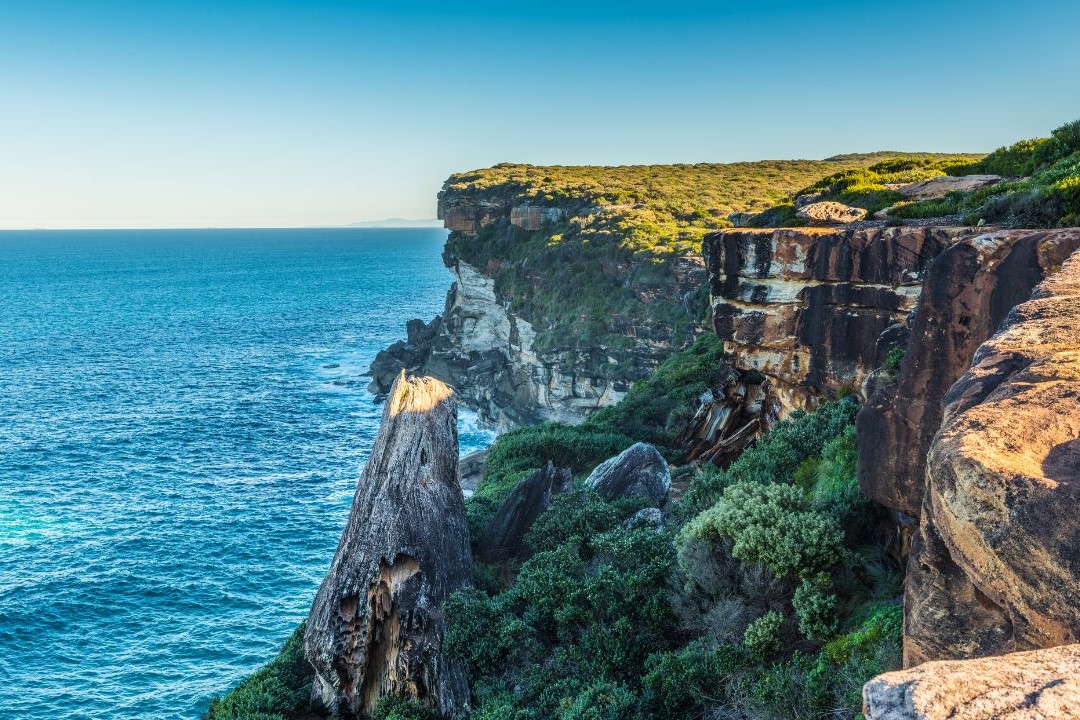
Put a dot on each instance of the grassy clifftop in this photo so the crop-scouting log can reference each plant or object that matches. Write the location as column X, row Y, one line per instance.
column 616, row 267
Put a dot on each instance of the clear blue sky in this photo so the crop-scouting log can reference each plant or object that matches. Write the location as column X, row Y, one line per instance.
column 175, row 114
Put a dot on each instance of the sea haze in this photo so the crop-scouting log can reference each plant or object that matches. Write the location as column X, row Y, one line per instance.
column 183, row 417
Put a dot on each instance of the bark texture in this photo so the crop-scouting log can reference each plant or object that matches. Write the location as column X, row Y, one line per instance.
column 376, row 626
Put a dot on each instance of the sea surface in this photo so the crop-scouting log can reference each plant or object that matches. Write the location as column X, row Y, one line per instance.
column 183, row 417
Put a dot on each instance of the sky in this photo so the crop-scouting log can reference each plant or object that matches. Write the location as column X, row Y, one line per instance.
column 121, row 114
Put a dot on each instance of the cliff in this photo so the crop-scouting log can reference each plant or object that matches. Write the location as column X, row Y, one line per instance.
column 994, row 566
column 572, row 283
column 816, row 310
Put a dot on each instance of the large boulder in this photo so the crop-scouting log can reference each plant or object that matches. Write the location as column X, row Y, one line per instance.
column 1034, row 685
column 830, row 212
column 996, row 564
column 376, row 626
column 638, row 471
column 504, row 536
column 941, row 186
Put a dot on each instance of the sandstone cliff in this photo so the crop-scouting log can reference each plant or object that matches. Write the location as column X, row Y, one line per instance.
column 376, row 626
column 966, row 294
column 808, row 307
column 995, row 566
column 496, row 342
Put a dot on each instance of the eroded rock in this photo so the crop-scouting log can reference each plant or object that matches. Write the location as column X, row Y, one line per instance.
column 504, row 536
column 806, row 306
column 830, row 212
column 638, row 471
column 1034, row 685
column 376, row 626
column 939, row 187
column 966, row 294
column 999, row 537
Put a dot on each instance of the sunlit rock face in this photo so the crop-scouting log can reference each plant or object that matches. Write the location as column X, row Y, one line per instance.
column 996, row 564
column 1034, row 685
column 377, row 624
column 968, row 291
column 808, row 307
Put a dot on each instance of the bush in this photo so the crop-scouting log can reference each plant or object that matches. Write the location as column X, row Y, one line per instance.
column 815, row 607
column 775, row 456
column 603, row 701
column 762, row 636
column 681, row 684
column 277, row 691
column 774, row 525
column 395, row 708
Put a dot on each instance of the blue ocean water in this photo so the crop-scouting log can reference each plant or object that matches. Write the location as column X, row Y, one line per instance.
column 183, row 417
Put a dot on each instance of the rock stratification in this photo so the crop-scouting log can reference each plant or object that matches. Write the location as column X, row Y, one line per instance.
column 806, row 307
column 487, row 354
column 376, row 626
column 966, row 294
column 995, row 566
column 1034, row 685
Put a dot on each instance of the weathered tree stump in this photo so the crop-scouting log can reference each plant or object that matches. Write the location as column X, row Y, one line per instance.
column 376, row 626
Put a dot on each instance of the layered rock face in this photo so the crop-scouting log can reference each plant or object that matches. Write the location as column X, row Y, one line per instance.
column 486, row 353
column 966, row 294
column 995, row 566
column 490, row 354
column 1035, row 685
column 806, row 307
column 376, row 626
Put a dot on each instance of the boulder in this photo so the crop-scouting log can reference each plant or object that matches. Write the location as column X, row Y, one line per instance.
column 995, row 567
column 504, row 536
column 638, row 471
column 830, row 212
column 1034, row 685
column 941, row 186
column 376, row 626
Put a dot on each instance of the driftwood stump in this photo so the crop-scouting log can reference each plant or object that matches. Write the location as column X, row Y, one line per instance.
column 376, row 626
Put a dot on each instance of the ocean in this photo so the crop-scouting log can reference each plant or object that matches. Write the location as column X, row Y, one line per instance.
column 183, row 418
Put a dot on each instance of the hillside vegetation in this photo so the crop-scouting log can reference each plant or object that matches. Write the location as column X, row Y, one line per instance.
column 609, row 276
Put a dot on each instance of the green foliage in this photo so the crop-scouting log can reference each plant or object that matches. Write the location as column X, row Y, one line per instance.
column 578, row 622
column 775, row 456
column 815, row 607
column 519, row 452
column 1047, row 195
column 657, row 407
column 277, row 691
column 395, row 708
column 682, row 683
column 774, row 525
column 603, row 701
column 893, row 359
column 762, row 636
column 609, row 272
column 868, row 187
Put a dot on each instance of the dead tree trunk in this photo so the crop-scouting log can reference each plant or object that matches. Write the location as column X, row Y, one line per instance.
column 376, row 626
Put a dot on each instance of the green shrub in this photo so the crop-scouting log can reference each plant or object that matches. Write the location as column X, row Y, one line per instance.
column 775, row 456
column 762, row 636
column 815, row 607
column 682, row 683
column 277, row 691
column 603, row 701
column 395, row 708
column 774, row 525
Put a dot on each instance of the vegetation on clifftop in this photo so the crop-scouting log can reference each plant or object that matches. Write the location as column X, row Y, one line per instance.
column 611, row 275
